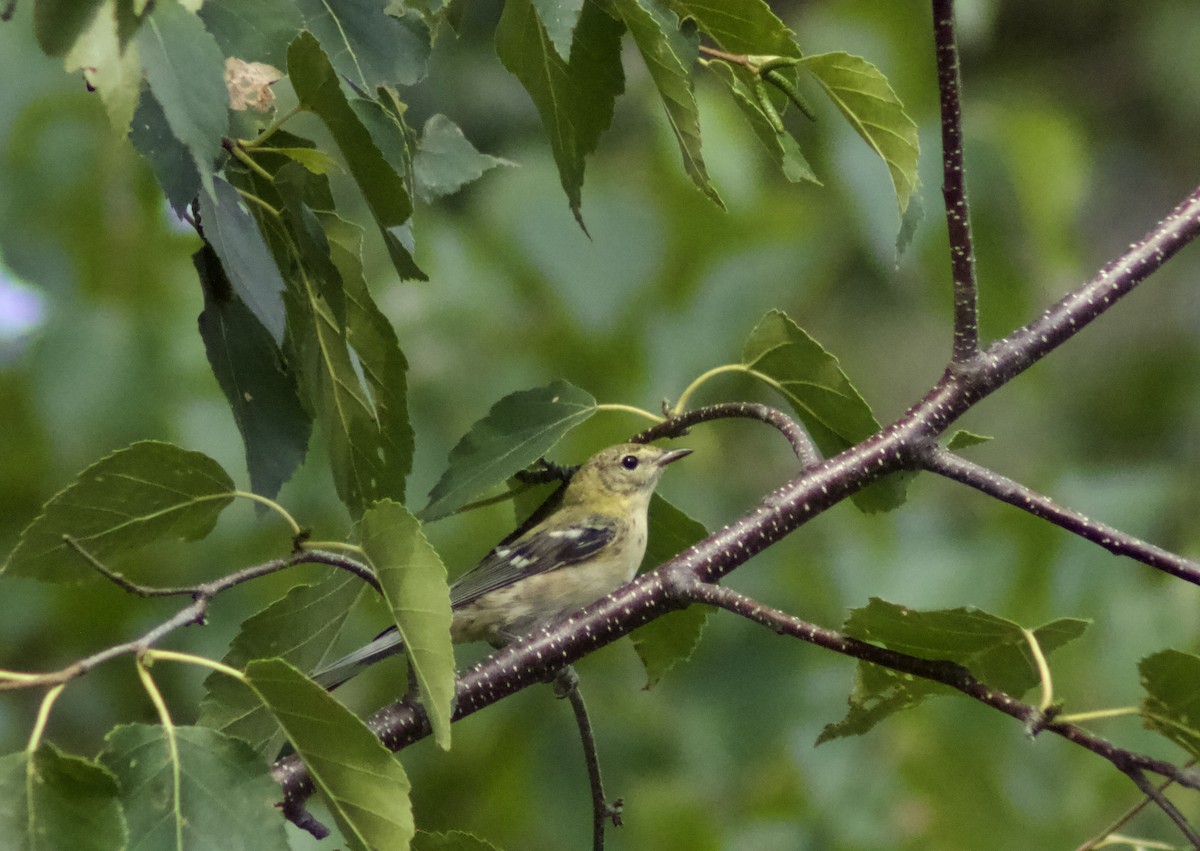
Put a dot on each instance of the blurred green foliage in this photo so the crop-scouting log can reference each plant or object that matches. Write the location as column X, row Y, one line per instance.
column 1081, row 121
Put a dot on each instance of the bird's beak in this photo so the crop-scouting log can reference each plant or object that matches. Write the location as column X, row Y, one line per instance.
column 673, row 455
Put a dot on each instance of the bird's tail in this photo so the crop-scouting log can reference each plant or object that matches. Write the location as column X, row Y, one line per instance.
column 387, row 643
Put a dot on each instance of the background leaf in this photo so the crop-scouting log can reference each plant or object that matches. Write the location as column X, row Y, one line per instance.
column 445, row 161
column 147, row 492
column 1171, row 705
column 517, row 431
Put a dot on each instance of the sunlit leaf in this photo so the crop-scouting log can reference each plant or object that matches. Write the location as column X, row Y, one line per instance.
column 517, row 431
column 414, row 585
column 363, row 785
column 994, row 649
column 451, row 840
column 575, row 99
column 217, row 787
column 671, row 639
column 740, row 26
column 110, row 67
column 1171, row 707
column 832, row 410
column 961, row 439
column 559, row 18
column 867, row 100
column 58, row 23
column 300, row 628
column 52, row 800
column 147, row 492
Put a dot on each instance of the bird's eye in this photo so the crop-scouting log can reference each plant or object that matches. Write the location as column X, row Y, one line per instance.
column 629, row 462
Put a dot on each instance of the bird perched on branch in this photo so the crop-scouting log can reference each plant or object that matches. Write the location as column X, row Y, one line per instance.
column 590, row 545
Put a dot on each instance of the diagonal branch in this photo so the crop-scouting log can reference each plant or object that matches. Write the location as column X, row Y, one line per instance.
column 946, row 463
column 954, row 185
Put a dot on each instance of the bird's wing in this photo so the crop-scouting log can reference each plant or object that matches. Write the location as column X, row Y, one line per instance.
column 537, row 551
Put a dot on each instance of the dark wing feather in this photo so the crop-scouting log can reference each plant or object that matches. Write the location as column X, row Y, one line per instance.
column 536, row 552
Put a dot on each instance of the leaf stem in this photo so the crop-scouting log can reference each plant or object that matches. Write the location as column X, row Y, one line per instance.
column 630, row 409
column 168, row 726
column 1039, row 659
column 43, row 717
column 274, row 506
column 271, row 129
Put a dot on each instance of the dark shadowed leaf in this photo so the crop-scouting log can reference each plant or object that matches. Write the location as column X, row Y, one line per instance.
column 363, row 784
column 368, row 46
column 147, row 492
column 256, row 32
column 517, row 431
column 169, row 158
column 57, row 23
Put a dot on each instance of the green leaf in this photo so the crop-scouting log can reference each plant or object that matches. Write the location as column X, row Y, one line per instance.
column 363, row 785
column 559, row 18
column 670, row 53
column 144, row 493
column 740, row 26
column 381, row 183
column 962, row 438
column 186, row 71
column 216, row 787
column 110, row 67
column 994, row 649
column 1171, row 706
column 247, row 261
column 446, row 161
column 300, row 628
column 258, row 386
column 59, row 23
column 867, row 100
column 575, row 99
column 517, row 431
column 671, row 639
column 783, row 147
column 255, row 32
column 450, row 840
column 414, row 585
column 316, row 161
column 368, row 46
column 53, row 800
column 811, row 379
column 168, row 157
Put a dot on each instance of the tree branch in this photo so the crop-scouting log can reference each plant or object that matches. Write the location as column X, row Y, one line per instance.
column 954, row 188
column 678, row 425
column 946, row 463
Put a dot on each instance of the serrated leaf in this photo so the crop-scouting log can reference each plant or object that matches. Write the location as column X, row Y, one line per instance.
column 363, row 785
column 445, row 161
column 147, row 492
column 185, row 69
column 256, row 32
column 1171, row 707
column 245, row 257
column 783, row 147
column 574, row 99
column 559, row 18
column 59, row 23
column 258, row 386
column 170, row 160
column 300, row 628
column 740, row 26
column 517, row 431
column 218, row 787
column 994, row 649
column 368, row 46
column 821, row 394
column 866, row 99
column 671, row 639
column 381, row 182
column 962, row 438
column 450, row 840
column 110, row 67
column 414, row 585
column 670, row 53
column 52, row 800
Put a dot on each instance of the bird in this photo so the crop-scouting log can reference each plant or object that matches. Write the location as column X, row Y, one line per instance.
column 588, row 546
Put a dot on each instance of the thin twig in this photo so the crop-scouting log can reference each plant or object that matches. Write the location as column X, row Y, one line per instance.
column 566, row 684
column 1164, row 803
column 678, row 425
column 1124, row 818
column 954, row 185
column 946, row 463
